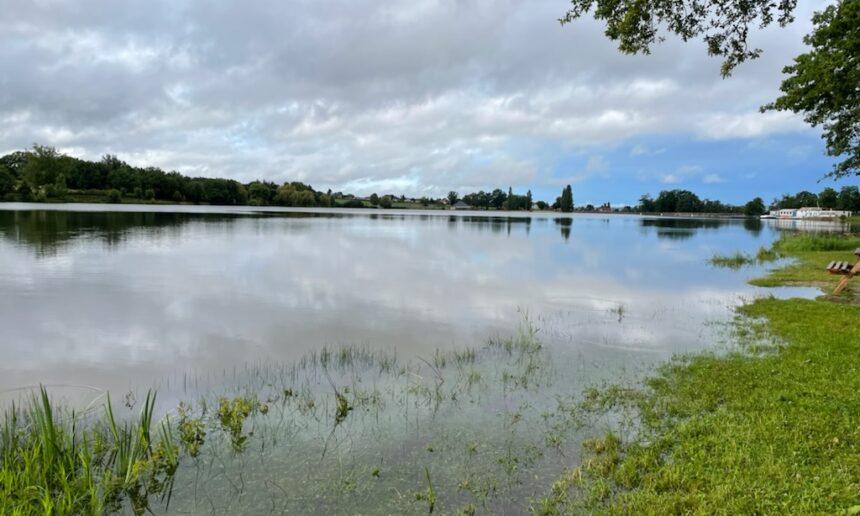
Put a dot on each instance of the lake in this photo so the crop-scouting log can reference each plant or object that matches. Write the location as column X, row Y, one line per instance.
column 202, row 301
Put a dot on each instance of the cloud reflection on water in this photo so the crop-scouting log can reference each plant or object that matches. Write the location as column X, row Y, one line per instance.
column 120, row 299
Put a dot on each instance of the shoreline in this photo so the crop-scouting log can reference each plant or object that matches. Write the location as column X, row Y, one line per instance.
column 772, row 427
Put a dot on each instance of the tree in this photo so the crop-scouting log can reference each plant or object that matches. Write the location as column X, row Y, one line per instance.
column 666, row 201
column 453, row 197
column 723, row 24
column 7, row 182
column 385, row 202
column 754, row 208
column 114, row 196
column 498, row 198
column 60, row 189
column 261, row 193
column 647, row 204
column 827, row 198
column 374, row 199
column 807, row 199
column 43, row 165
column 849, row 198
column 541, row 205
column 687, row 202
column 566, row 202
column 824, row 83
column 529, row 200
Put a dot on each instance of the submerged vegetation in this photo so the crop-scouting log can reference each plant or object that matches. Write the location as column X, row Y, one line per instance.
column 58, row 462
column 739, row 260
column 769, row 428
column 342, row 427
column 66, row 463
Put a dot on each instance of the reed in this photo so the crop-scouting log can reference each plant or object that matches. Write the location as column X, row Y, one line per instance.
column 52, row 461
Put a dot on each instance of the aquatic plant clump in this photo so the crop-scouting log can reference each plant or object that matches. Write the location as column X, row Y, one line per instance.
column 58, row 462
column 740, row 260
column 68, row 463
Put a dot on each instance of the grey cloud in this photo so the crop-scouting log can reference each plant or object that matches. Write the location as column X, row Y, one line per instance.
column 428, row 94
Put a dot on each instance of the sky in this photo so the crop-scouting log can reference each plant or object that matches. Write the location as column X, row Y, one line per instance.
column 417, row 97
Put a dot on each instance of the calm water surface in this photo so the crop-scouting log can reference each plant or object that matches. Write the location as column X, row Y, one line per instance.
column 124, row 298
column 202, row 302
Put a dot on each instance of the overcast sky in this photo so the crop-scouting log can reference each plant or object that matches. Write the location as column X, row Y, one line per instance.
column 413, row 96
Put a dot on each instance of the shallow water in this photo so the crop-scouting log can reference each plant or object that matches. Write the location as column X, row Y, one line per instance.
column 200, row 302
column 116, row 300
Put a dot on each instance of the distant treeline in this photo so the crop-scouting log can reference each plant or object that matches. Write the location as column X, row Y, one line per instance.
column 685, row 201
column 847, row 198
column 499, row 200
column 43, row 174
column 682, row 201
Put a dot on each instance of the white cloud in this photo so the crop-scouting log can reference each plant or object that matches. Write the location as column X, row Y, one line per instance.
column 721, row 126
column 639, row 150
column 685, row 173
column 423, row 95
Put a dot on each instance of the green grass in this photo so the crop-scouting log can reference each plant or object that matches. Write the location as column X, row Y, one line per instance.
column 769, row 429
column 809, row 255
column 738, row 434
column 816, row 242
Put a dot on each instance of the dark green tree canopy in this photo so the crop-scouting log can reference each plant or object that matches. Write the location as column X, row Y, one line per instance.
column 824, row 83
column 755, row 207
column 724, row 25
column 565, row 202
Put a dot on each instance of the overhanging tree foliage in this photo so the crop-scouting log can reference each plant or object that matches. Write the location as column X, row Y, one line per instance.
column 824, row 83
column 724, row 25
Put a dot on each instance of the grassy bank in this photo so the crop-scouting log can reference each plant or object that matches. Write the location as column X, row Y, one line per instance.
column 771, row 428
column 808, row 255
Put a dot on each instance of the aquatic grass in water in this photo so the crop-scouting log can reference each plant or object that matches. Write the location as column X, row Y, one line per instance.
column 735, row 261
column 740, row 260
column 344, row 430
column 376, row 435
column 54, row 462
column 65, row 463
